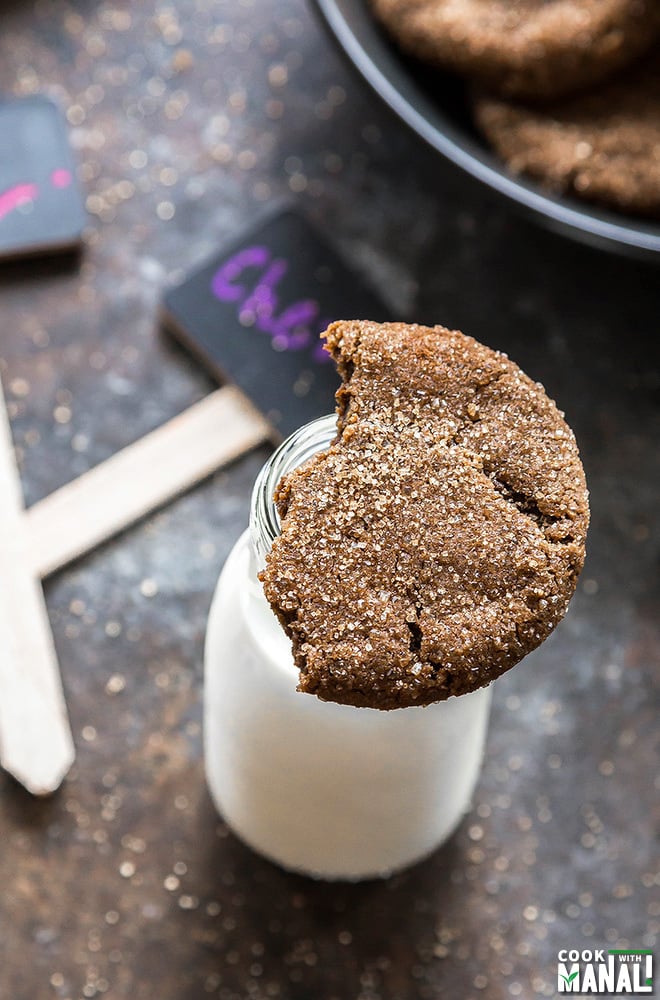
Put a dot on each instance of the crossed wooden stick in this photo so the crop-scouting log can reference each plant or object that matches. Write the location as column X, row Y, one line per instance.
column 36, row 745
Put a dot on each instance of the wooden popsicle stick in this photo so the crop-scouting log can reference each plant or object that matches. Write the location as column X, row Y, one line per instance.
column 36, row 746
column 142, row 477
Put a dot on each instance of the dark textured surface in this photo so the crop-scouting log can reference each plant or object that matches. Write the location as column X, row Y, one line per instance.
column 126, row 883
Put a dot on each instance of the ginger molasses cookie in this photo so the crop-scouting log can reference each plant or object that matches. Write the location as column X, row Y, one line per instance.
column 439, row 538
column 524, row 48
column 603, row 146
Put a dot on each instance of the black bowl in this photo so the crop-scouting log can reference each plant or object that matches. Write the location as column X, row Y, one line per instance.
column 435, row 106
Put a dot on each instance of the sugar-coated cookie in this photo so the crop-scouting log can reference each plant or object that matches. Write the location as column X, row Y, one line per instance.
column 524, row 48
column 603, row 146
column 439, row 538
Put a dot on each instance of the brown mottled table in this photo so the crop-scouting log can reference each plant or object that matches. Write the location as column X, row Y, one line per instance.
column 188, row 118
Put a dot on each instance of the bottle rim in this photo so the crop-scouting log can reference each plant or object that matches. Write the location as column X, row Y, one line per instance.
column 297, row 449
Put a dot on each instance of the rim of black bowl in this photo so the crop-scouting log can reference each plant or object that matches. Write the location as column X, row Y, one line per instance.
column 368, row 50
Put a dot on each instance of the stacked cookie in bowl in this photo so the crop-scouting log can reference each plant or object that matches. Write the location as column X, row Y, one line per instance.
column 566, row 91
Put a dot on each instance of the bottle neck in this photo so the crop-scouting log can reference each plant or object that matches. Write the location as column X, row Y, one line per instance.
column 291, row 454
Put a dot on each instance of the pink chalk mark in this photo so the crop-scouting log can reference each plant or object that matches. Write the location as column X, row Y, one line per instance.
column 15, row 196
column 61, row 178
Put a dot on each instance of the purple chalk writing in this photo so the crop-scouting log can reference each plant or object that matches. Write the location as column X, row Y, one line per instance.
column 292, row 327
column 224, row 280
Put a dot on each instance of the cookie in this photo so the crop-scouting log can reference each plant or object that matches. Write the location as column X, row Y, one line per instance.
column 524, row 48
column 439, row 538
column 603, row 146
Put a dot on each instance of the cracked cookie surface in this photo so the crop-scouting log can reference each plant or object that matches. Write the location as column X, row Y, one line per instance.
column 439, row 538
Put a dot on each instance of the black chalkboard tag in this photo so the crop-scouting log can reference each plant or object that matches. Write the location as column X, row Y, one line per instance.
column 41, row 208
column 254, row 313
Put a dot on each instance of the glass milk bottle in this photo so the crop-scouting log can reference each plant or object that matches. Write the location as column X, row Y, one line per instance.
column 327, row 790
